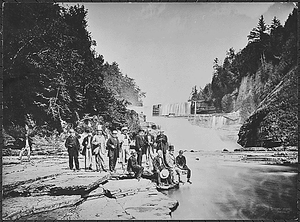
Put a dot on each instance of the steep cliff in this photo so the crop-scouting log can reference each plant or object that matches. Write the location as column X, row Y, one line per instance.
column 275, row 121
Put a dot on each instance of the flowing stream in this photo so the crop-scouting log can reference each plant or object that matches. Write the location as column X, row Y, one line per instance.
column 224, row 187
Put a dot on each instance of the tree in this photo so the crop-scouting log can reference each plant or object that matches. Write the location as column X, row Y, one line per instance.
column 275, row 24
column 51, row 72
column 260, row 32
column 194, row 93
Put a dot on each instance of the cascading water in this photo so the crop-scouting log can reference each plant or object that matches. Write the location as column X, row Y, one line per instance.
column 178, row 109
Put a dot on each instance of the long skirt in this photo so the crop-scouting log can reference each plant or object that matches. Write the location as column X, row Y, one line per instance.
column 99, row 162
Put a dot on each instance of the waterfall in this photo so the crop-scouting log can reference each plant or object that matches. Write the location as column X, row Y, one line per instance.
column 178, row 109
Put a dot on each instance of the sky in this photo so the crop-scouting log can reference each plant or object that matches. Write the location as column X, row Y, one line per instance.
column 170, row 47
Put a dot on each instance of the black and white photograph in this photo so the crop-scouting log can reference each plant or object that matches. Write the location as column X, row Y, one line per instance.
column 150, row 111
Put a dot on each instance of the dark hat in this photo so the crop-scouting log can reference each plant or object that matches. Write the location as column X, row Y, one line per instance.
column 171, row 148
column 132, row 152
column 180, row 152
column 141, row 130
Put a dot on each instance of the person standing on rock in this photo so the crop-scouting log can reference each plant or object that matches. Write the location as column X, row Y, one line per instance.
column 171, row 163
column 113, row 147
column 73, row 146
column 133, row 166
column 27, row 144
column 125, row 145
column 87, row 150
column 149, row 148
column 99, row 149
column 140, row 144
column 162, row 142
column 181, row 164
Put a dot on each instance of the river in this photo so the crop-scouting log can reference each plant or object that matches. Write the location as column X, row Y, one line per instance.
column 224, row 187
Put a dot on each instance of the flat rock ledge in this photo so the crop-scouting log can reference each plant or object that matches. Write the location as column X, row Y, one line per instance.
column 125, row 200
column 48, row 190
column 17, row 207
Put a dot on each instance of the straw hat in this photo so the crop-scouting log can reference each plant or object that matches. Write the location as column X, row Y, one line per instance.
column 164, row 174
column 124, row 128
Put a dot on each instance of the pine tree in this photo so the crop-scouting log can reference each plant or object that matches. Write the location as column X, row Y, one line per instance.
column 259, row 33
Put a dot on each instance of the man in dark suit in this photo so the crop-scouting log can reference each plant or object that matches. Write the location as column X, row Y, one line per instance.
column 133, row 166
column 113, row 147
column 73, row 146
column 159, row 165
column 162, row 142
column 140, row 144
column 181, row 164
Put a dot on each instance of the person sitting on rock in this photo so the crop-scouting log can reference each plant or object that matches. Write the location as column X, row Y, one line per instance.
column 133, row 166
column 158, row 166
column 171, row 163
column 181, row 164
column 73, row 146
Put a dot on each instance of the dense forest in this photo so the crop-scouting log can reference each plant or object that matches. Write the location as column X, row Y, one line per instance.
column 260, row 81
column 53, row 74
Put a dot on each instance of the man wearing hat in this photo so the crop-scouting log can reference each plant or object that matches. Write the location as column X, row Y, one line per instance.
column 162, row 142
column 160, row 169
column 140, row 143
column 87, row 149
column 113, row 146
column 181, row 163
column 133, row 166
column 73, row 146
column 124, row 144
column 99, row 149
column 171, row 163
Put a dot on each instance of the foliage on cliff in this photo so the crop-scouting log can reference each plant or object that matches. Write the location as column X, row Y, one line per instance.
column 270, row 53
column 122, row 86
column 261, row 82
column 275, row 121
column 51, row 71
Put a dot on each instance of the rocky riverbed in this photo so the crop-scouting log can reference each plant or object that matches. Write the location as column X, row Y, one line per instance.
column 46, row 189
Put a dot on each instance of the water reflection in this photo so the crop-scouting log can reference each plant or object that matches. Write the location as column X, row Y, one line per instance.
column 234, row 190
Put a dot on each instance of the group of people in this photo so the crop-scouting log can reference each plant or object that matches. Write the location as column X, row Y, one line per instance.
column 120, row 147
column 99, row 144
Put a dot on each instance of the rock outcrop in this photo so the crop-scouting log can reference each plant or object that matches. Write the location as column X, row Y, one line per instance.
column 126, row 199
column 275, row 121
column 46, row 189
column 15, row 208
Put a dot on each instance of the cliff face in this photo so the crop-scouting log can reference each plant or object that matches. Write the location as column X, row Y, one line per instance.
column 275, row 120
